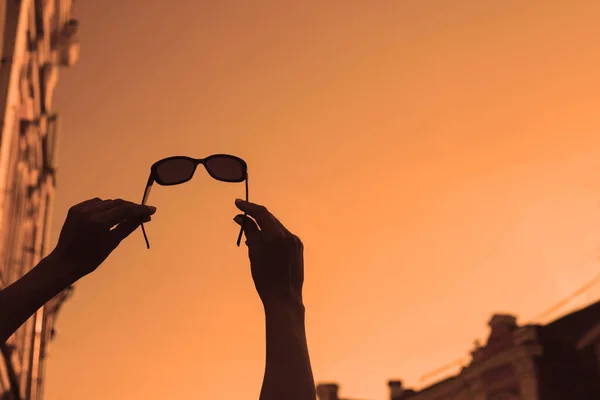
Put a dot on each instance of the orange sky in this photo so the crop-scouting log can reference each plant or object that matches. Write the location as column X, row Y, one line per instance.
column 439, row 159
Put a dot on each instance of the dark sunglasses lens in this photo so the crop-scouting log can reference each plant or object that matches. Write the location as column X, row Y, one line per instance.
column 226, row 168
column 175, row 171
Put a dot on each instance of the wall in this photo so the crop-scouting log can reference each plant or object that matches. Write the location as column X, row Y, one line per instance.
column 40, row 36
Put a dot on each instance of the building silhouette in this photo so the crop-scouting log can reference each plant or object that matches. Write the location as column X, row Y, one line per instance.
column 556, row 361
column 328, row 391
column 37, row 37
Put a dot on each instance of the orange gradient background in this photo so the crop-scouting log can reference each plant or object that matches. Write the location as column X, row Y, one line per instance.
column 440, row 160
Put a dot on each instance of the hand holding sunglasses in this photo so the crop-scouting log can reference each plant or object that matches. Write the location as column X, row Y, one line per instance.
column 180, row 169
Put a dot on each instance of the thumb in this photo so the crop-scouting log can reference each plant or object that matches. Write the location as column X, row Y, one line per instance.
column 126, row 227
column 250, row 228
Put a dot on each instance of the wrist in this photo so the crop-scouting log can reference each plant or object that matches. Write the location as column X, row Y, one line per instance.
column 277, row 301
column 288, row 308
column 56, row 272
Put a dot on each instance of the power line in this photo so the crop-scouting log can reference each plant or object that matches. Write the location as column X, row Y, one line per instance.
column 456, row 363
column 462, row 361
column 588, row 285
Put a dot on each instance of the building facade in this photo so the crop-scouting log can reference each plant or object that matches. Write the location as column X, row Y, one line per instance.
column 557, row 361
column 38, row 37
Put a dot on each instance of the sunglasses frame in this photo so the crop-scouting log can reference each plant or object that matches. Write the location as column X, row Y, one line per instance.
column 154, row 177
column 196, row 161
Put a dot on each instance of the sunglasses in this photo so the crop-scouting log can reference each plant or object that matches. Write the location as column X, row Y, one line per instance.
column 180, row 169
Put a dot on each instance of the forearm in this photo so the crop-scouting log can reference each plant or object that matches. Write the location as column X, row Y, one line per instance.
column 23, row 298
column 288, row 374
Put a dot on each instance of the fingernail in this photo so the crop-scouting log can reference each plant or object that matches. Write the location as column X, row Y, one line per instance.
column 237, row 219
column 151, row 208
column 239, row 201
column 147, row 219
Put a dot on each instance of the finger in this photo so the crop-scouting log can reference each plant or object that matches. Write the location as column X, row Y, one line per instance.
column 103, row 205
column 281, row 226
column 122, row 211
column 250, row 228
column 263, row 217
column 87, row 203
column 272, row 217
column 126, row 228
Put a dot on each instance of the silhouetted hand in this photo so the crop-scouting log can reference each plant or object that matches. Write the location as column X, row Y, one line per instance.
column 92, row 230
column 276, row 255
column 277, row 264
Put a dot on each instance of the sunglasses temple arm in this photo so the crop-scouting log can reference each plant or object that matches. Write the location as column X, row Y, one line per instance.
column 239, row 240
column 145, row 237
column 144, row 199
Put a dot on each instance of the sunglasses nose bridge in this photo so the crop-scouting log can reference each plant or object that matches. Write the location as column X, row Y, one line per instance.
column 196, row 163
column 202, row 162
